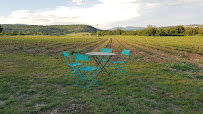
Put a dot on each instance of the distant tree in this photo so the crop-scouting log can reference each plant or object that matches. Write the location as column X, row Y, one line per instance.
column 180, row 29
column 188, row 31
column 171, row 31
column 39, row 33
column 119, row 31
column 13, row 32
column 195, row 31
column 1, row 29
column 132, row 32
column 200, row 32
column 160, row 32
column 150, row 31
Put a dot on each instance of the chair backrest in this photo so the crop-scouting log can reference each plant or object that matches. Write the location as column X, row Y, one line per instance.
column 125, row 52
column 108, row 50
column 66, row 54
column 82, row 57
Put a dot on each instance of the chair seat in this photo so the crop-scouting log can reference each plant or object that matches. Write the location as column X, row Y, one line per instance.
column 117, row 62
column 87, row 68
column 75, row 64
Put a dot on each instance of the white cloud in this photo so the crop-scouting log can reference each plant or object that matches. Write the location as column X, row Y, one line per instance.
column 113, row 13
column 169, row 12
column 15, row 16
column 80, row 2
column 172, row 2
column 105, row 13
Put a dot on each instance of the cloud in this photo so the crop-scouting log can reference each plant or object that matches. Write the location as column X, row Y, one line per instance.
column 112, row 13
column 172, row 2
column 168, row 12
column 16, row 17
column 81, row 2
column 105, row 13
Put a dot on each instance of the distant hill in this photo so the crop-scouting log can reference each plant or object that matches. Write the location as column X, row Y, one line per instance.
column 48, row 30
column 128, row 28
column 139, row 28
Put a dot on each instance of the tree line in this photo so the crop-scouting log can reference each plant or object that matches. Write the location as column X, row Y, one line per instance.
column 1, row 29
column 10, row 29
column 67, row 29
column 157, row 31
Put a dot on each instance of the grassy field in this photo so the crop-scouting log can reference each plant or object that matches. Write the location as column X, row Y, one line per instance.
column 165, row 75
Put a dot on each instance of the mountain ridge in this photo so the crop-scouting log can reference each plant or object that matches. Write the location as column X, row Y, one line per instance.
column 128, row 28
column 48, row 29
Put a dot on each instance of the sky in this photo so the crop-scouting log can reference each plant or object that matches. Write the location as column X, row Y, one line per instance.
column 104, row 13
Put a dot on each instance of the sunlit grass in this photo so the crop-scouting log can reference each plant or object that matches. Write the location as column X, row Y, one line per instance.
column 34, row 83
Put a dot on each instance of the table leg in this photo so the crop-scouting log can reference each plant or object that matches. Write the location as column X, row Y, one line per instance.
column 102, row 67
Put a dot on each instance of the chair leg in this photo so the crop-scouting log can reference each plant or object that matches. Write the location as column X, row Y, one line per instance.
column 114, row 68
column 119, row 73
column 78, row 82
column 122, row 69
column 74, row 74
column 87, row 76
column 79, row 85
column 94, row 78
column 67, row 74
column 74, row 71
column 119, row 68
column 90, row 83
column 81, row 77
column 72, row 77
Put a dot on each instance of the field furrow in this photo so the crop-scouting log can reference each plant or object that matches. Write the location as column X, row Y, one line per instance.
column 167, row 55
column 96, row 46
column 82, row 46
column 116, row 49
column 109, row 45
column 182, row 54
column 106, row 43
column 140, row 51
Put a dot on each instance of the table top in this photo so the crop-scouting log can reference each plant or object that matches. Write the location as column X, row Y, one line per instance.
column 101, row 53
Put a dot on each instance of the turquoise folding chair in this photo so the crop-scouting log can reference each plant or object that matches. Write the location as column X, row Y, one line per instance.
column 71, row 65
column 81, row 57
column 108, row 50
column 116, row 63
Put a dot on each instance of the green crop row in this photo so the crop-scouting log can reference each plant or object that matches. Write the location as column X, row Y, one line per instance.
column 105, row 45
column 187, row 44
column 119, row 45
column 87, row 47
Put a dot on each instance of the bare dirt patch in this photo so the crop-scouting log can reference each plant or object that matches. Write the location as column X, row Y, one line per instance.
column 109, row 45
column 116, row 50
column 74, row 107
